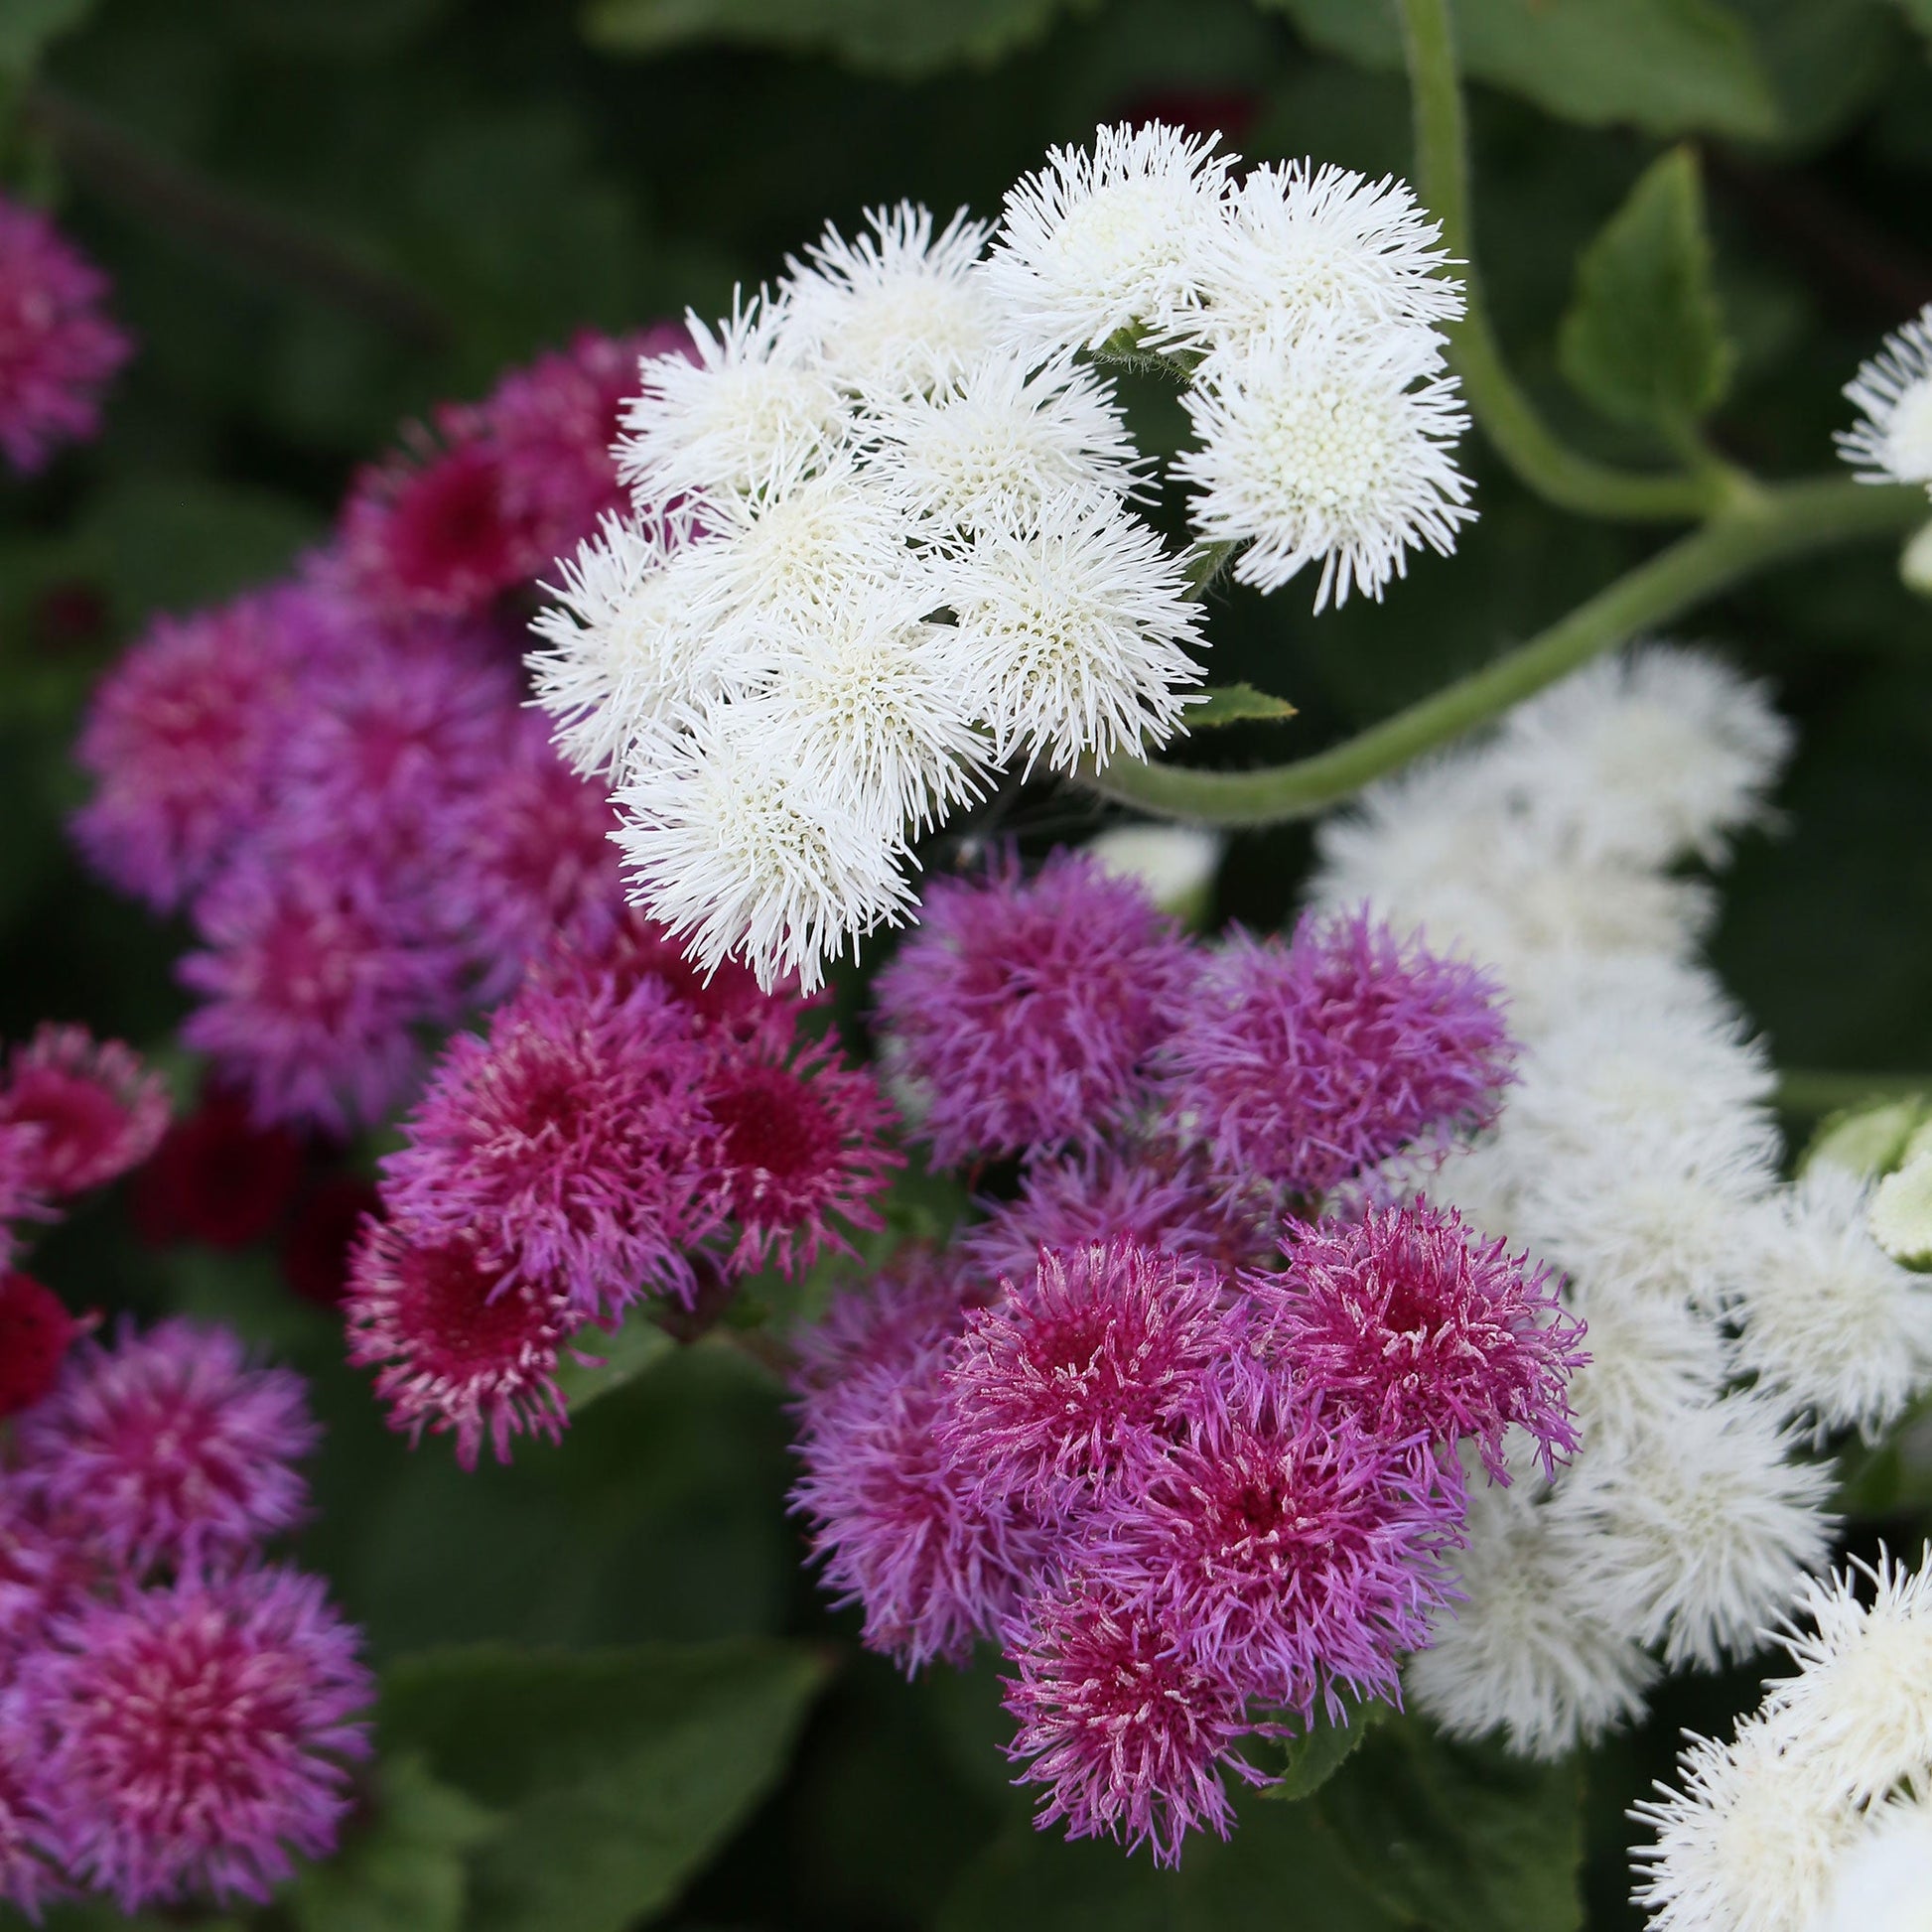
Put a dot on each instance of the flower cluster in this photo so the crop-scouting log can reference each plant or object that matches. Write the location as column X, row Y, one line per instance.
column 1735, row 1320
column 336, row 778
column 57, row 348
column 1892, row 440
column 1183, row 1445
column 886, row 531
column 178, row 1716
column 619, row 1131
column 1817, row 1815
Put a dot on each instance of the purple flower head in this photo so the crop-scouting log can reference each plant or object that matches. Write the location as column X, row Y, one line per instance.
column 636, row 949
column 1027, row 1008
column 316, row 971
column 189, row 1737
column 459, row 1349
column 36, row 1332
column 571, row 1145
column 186, row 736
column 168, row 1447
column 1127, row 1731
column 800, row 1138
column 58, row 349
column 898, row 1528
column 28, row 1881
column 1418, row 1325
column 40, row 1569
column 1289, row 1550
column 1076, row 1382
column 920, row 1299
column 1301, row 1065
column 98, row 1110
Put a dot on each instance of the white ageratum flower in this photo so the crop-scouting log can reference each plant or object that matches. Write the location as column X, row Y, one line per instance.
column 1893, row 391
column 1076, row 633
column 745, row 856
column 750, row 406
column 987, row 451
column 1114, row 238
column 1304, row 247
column 1882, row 1880
column 896, row 310
column 1329, row 448
column 1650, row 1360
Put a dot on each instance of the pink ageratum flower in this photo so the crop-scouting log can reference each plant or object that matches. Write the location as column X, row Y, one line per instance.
column 1127, row 1731
column 571, row 1144
column 57, row 348
column 1028, row 1010
column 921, row 1299
column 39, row 1570
column 186, row 736
column 189, row 1738
column 99, row 1108
column 801, row 1140
column 898, row 1526
column 1302, row 1064
column 28, row 1881
column 20, row 1199
column 1416, row 1325
column 168, row 1447
column 316, row 972
column 1076, row 1381
column 637, row 949
column 459, row 1349
column 36, row 1332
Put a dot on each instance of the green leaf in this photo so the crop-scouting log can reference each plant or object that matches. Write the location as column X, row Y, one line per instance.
column 1643, row 340
column 617, row 1772
column 1460, row 1838
column 1669, row 66
column 1313, row 1758
column 632, row 1351
column 25, row 26
column 1919, row 13
column 1230, row 704
column 403, row 1870
column 1866, row 1140
column 907, row 38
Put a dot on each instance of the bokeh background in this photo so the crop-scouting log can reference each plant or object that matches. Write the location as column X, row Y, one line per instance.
column 323, row 217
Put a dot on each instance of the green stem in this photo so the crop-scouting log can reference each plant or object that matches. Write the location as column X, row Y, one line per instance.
column 1506, row 415
column 1807, row 1093
column 1773, row 525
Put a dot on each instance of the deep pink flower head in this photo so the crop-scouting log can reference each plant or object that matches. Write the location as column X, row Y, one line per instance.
column 1301, row 1064
column 532, row 862
column 898, row 1528
column 216, row 1176
column 637, row 949
column 186, row 737
column 98, row 1109
column 1288, row 1548
column 316, row 1250
column 36, row 1332
column 168, row 1447
column 459, row 1349
column 571, row 1144
column 1026, row 1009
column 57, row 348
column 1127, row 1731
column 190, row 1737
column 1076, row 1381
column 801, row 1140
column 316, row 972
column 28, row 1881
column 1415, row 1322
column 40, row 1571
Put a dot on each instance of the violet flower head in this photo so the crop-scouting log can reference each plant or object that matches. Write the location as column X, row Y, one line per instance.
column 189, row 1738
column 801, row 1141
column 636, row 949
column 1128, row 1733
column 458, row 1350
column 1416, row 1325
column 184, row 739
column 1302, row 1064
column 20, row 1199
column 28, row 1881
column 314, row 972
column 36, row 1332
column 40, row 1571
column 897, row 1527
column 1027, row 1008
column 571, row 1144
column 920, row 1299
column 99, row 1108
column 1075, row 1383
column 57, row 348
column 168, row 1447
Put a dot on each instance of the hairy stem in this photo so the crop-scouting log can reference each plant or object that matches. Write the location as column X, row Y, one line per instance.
column 1505, row 414
column 1772, row 527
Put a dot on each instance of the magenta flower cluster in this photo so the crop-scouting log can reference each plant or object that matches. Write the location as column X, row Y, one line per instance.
column 178, row 1716
column 1180, row 1424
column 335, row 777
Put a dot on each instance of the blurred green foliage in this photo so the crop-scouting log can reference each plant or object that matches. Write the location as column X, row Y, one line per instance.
column 612, row 1691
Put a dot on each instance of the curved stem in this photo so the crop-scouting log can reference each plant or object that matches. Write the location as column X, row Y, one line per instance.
column 1506, row 415
column 1772, row 527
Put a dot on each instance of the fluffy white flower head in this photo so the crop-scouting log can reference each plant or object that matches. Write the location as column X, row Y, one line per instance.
column 1893, row 391
column 1882, row 1880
